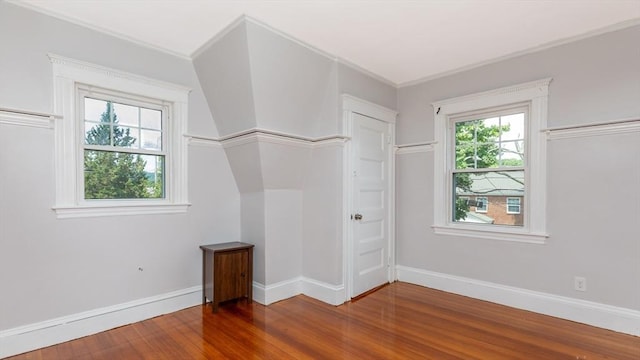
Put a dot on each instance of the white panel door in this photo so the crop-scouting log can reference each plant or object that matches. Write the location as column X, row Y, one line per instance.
column 370, row 218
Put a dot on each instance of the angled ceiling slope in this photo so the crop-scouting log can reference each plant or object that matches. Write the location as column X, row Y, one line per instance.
column 402, row 40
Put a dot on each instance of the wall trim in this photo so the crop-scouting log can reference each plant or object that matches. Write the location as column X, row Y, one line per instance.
column 328, row 293
column 54, row 331
column 413, row 148
column 623, row 126
column 197, row 140
column 99, row 29
column 27, row 118
column 363, row 107
column 256, row 134
column 608, row 29
column 587, row 312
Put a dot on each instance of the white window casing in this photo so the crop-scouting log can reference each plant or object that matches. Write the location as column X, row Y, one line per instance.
column 534, row 95
column 68, row 76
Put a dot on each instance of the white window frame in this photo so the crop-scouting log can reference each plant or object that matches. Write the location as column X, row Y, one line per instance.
column 519, row 205
column 534, row 95
column 68, row 76
column 485, row 203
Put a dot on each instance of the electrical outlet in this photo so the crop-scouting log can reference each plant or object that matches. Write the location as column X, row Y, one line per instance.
column 580, row 283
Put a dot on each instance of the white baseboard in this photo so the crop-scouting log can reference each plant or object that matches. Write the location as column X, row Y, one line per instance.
column 330, row 294
column 35, row 336
column 268, row 294
column 604, row 316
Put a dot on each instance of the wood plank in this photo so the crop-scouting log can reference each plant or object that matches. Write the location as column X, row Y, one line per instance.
column 398, row 321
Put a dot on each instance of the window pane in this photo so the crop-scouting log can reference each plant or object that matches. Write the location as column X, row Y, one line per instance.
column 94, row 109
column 97, row 133
column 124, row 136
column 512, row 153
column 465, row 132
column 513, row 205
column 512, row 127
column 477, row 144
column 466, row 156
column 151, row 139
column 116, row 175
column 126, row 114
column 490, row 190
column 151, row 119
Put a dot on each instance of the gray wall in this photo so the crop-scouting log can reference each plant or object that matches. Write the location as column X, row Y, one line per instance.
column 593, row 195
column 50, row 267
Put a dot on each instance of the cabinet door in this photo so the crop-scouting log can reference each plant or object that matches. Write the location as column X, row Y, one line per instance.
column 231, row 275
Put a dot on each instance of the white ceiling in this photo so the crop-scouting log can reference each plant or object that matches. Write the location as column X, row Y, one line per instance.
column 401, row 40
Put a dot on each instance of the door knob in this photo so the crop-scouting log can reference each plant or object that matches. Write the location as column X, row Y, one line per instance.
column 357, row 216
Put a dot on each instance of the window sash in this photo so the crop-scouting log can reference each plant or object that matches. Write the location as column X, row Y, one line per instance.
column 135, row 101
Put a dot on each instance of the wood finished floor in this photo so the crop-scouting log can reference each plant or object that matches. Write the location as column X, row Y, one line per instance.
column 399, row 321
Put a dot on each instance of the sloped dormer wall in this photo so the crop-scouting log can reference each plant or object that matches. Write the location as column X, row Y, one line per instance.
column 272, row 97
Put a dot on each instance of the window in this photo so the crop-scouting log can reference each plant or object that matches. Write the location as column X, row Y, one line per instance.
column 513, row 205
column 488, row 158
column 123, row 149
column 482, row 204
column 490, row 147
column 119, row 148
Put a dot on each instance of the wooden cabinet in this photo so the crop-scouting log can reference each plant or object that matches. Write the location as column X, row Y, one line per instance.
column 227, row 272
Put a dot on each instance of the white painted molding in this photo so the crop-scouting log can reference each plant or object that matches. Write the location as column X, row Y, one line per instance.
column 413, row 148
column 586, row 312
column 245, row 19
column 252, row 131
column 624, row 126
column 534, row 96
column 535, row 49
column 269, row 294
column 261, row 135
column 68, row 74
column 496, row 97
column 500, row 233
column 92, row 26
column 328, row 293
column 217, row 37
column 353, row 104
column 203, row 141
column 25, row 118
column 119, row 210
column 46, row 333
column 80, row 69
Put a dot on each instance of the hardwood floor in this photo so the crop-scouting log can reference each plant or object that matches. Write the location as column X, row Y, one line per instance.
column 399, row 321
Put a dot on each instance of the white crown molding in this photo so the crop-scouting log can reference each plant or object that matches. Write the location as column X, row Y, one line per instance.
column 91, row 26
column 221, row 34
column 54, row 331
column 27, row 118
column 623, row 126
column 615, row 27
column 414, row 148
column 586, row 312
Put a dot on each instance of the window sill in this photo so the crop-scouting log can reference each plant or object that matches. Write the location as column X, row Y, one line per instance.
column 67, row 212
column 502, row 234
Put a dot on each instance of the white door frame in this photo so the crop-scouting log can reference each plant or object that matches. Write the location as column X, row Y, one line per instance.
column 352, row 105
